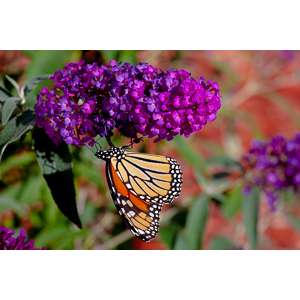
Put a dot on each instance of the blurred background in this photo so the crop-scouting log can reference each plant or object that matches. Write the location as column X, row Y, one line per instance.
column 260, row 98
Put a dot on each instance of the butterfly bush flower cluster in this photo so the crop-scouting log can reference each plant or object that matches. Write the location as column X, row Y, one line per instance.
column 93, row 100
column 274, row 166
column 7, row 242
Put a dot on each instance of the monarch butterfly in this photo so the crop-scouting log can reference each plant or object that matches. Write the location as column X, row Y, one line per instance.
column 140, row 184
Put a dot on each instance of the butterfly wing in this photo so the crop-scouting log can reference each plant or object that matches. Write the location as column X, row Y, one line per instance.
column 140, row 184
column 141, row 217
column 155, row 177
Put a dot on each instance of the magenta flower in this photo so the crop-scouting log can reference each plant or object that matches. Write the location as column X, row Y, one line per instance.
column 7, row 242
column 90, row 100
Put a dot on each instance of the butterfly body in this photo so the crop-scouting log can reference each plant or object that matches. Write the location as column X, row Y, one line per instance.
column 140, row 184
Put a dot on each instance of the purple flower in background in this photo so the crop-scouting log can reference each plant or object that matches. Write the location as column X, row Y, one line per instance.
column 7, row 242
column 274, row 166
column 90, row 100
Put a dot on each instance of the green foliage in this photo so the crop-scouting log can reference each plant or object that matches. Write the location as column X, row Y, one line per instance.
column 250, row 212
column 195, row 224
column 222, row 244
column 180, row 242
column 233, row 203
column 4, row 93
column 56, row 165
column 11, row 203
column 168, row 234
column 47, row 61
column 8, row 108
column 15, row 128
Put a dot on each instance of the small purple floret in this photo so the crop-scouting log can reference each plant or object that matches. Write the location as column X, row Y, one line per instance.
column 90, row 100
column 7, row 242
column 275, row 166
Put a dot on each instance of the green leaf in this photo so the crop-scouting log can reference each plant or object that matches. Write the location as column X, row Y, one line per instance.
column 30, row 191
column 250, row 205
column 4, row 93
column 33, row 82
column 15, row 128
column 218, row 197
column 67, row 242
column 31, row 97
column 18, row 161
column 233, row 203
column 47, row 61
column 225, row 161
column 180, row 242
column 222, row 244
column 195, row 223
column 168, row 234
column 90, row 212
column 56, row 165
column 50, row 236
column 10, row 203
column 8, row 108
column 201, row 179
column 128, row 56
column 14, row 83
column 110, row 55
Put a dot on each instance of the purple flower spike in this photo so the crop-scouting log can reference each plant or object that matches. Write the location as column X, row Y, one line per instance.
column 90, row 100
column 274, row 166
column 7, row 242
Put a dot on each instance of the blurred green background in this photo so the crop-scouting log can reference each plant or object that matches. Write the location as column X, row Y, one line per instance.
column 260, row 98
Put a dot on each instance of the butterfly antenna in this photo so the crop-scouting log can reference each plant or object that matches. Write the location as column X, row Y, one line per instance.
column 108, row 138
column 90, row 149
column 98, row 146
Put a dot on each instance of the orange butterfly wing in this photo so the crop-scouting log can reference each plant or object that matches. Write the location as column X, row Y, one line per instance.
column 140, row 184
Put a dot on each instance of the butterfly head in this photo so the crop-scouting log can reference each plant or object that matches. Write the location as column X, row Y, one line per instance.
column 112, row 152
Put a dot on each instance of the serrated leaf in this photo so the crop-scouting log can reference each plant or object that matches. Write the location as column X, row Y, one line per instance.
column 8, row 107
column 56, row 165
column 195, row 223
column 16, row 127
column 33, row 82
column 10, row 203
column 250, row 206
column 233, row 203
